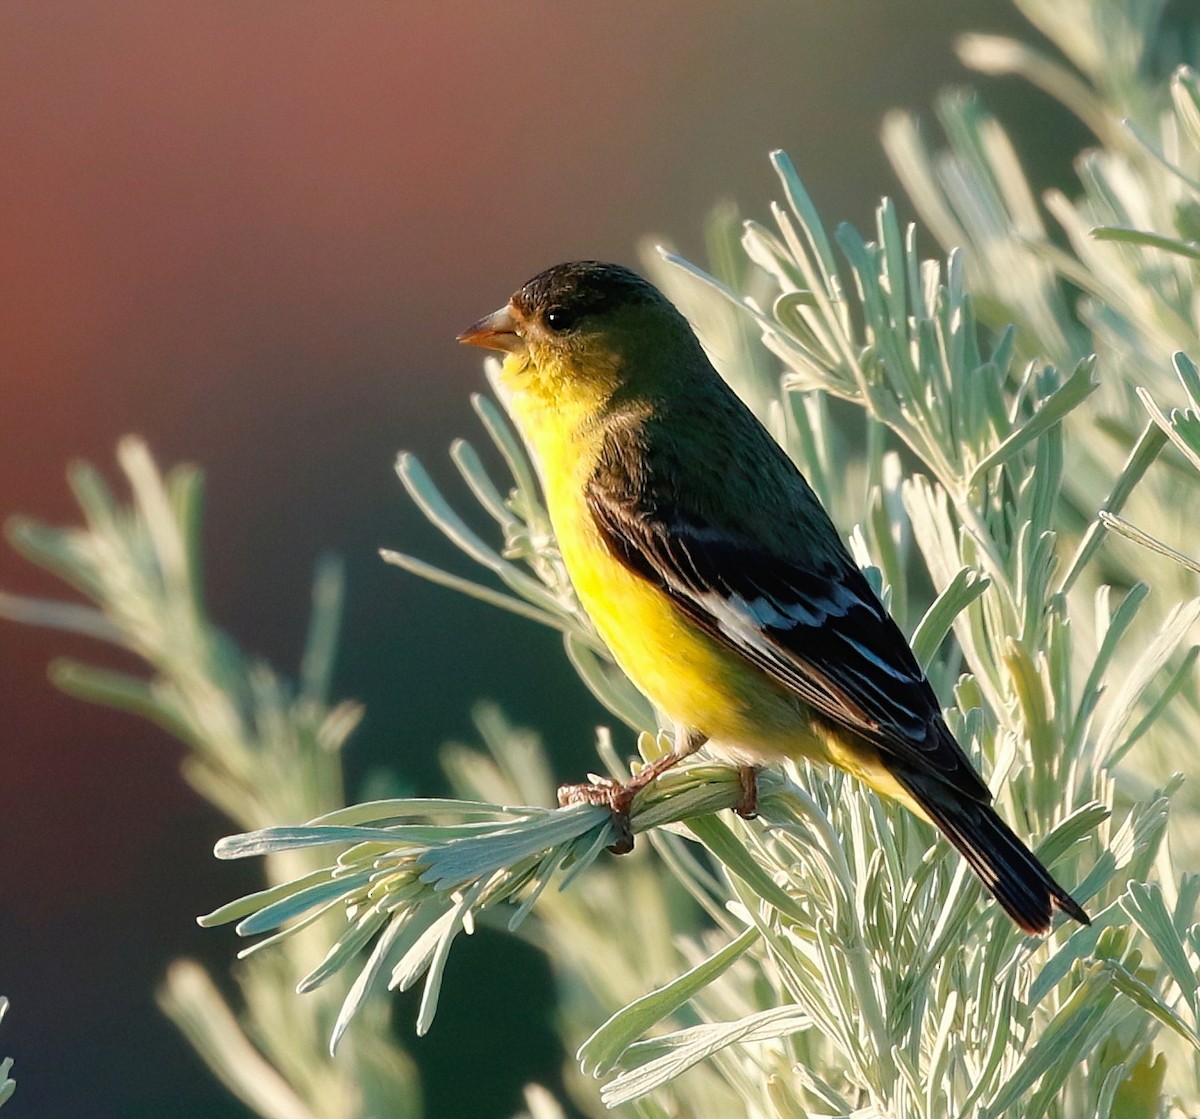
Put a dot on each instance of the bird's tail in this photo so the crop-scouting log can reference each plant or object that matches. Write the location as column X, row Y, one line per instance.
column 1013, row 874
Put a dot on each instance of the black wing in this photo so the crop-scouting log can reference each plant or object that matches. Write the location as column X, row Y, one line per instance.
column 817, row 629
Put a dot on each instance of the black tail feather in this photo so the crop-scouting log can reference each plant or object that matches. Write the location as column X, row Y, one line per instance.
column 1013, row 874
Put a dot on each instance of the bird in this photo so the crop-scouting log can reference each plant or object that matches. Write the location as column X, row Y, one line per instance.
column 715, row 576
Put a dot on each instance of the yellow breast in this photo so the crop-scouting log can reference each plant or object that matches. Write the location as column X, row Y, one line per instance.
column 689, row 677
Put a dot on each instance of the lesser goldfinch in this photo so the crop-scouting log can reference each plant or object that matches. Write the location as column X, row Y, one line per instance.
column 713, row 573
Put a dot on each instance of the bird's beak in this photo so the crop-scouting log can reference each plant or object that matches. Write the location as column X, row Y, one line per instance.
column 497, row 331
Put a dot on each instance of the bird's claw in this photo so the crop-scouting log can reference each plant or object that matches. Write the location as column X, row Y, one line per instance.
column 747, row 802
column 604, row 792
column 617, row 796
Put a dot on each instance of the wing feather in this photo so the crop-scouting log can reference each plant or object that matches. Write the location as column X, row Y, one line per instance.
column 820, row 631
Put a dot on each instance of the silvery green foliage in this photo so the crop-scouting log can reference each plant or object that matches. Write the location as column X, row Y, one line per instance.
column 262, row 750
column 1065, row 677
column 834, row 957
column 7, row 1084
column 1132, row 236
column 881, row 984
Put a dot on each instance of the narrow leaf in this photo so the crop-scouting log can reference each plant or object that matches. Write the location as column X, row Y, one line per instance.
column 600, row 1052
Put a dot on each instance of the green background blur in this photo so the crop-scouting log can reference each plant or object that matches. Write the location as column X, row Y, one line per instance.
column 249, row 231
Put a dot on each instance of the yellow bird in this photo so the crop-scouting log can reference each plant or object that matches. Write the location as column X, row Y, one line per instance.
column 715, row 576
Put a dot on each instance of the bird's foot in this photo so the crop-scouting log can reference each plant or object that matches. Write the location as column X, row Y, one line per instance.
column 617, row 797
column 604, row 792
column 747, row 802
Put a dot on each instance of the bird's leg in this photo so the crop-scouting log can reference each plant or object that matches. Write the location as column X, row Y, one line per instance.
column 617, row 796
column 747, row 803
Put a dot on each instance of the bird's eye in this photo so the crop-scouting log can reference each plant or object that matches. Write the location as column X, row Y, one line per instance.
column 559, row 319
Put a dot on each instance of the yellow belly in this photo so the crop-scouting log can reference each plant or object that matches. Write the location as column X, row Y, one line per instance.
column 689, row 677
column 700, row 684
column 697, row 682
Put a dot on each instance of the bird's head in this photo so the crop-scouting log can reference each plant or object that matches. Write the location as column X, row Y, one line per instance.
column 587, row 326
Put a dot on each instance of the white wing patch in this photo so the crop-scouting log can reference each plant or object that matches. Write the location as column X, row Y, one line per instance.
column 749, row 623
column 745, row 619
column 741, row 621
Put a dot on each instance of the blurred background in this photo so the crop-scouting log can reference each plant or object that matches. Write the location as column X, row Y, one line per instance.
column 249, row 233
